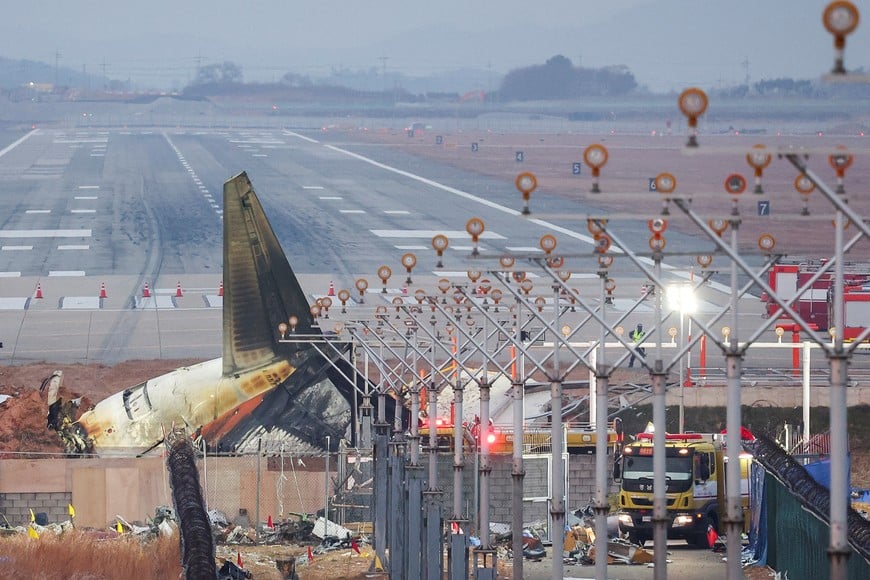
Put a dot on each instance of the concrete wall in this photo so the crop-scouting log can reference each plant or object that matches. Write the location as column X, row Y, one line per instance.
column 101, row 489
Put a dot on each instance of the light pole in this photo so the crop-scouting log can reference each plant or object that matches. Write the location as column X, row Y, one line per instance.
column 681, row 297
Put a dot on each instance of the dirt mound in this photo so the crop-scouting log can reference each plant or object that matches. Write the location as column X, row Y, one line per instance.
column 23, row 415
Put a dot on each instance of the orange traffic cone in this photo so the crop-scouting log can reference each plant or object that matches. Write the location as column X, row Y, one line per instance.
column 178, row 292
column 103, row 290
column 38, row 291
column 146, row 291
column 221, row 289
column 331, row 289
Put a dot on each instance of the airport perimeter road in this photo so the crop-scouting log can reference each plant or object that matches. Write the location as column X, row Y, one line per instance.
column 91, row 216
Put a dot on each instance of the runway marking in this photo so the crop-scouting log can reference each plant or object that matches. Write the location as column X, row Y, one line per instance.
column 62, row 273
column 14, row 303
column 452, row 234
column 303, row 137
column 331, row 197
column 510, row 211
column 418, row 248
column 86, row 197
column 86, row 233
column 89, row 187
column 464, row 274
column 37, row 211
column 523, row 249
column 196, row 180
column 79, row 303
column 10, row 274
column 312, row 187
column 259, row 155
column 15, row 144
column 15, row 248
column 83, row 211
column 352, row 211
column 74, row 247
column 82, row 140
column 397, row 212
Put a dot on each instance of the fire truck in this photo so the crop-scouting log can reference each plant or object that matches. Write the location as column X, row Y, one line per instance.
column 814, row 304
column 856, row 311
column 695, row 473
column 580, row 439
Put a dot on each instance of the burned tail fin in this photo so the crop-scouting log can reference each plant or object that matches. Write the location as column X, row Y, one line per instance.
column 260, row 288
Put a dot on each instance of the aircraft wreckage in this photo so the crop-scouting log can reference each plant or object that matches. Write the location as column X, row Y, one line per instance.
column 291, row 394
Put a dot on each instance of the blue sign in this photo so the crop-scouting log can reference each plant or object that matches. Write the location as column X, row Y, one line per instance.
column 439, row 139
column 575, row 168
column 519, row 156
column 474, row 147
column 652, row 184
column 763, row 208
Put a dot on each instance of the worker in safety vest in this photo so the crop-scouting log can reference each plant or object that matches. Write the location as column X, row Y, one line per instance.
column 637, row 336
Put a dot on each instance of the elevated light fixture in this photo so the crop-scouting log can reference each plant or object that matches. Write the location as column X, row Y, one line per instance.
column 384, row 273
column 840, row 19
column 526, row 182
column 439, row 244
column 343, row 296
column 361, row 285
column 595, row 157
column 409, row 260
column 758, row 158
column 840, row 162
column 735, row 184
column 693, row 103
column 804, row 186
column 475, row 227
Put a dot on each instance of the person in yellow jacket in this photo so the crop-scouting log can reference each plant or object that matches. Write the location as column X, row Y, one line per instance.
column 637, row 336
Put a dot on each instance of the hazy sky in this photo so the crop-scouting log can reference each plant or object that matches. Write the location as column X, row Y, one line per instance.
column 667, row 44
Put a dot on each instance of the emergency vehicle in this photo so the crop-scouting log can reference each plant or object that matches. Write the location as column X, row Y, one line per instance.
column 856, row 311
column 580, row 439
column 814, row 304
column 695, row 473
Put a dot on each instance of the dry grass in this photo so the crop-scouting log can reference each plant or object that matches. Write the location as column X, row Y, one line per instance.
column 79, row 555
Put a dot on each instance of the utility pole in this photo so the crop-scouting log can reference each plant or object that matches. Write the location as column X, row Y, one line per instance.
column 745, row 65
column 57, row 57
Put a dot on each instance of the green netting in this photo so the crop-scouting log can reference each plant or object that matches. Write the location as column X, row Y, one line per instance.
column 797, row 540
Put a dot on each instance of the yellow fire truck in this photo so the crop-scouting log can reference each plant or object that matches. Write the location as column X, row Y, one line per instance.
column 695, row 473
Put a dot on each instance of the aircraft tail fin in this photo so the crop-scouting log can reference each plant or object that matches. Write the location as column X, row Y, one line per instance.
column 260, row 288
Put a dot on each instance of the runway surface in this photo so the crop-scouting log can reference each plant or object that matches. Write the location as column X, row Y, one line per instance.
column 92, row 215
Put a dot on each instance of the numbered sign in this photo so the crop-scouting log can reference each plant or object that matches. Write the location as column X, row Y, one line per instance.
column 763, row 208
column 519, row 156
column 439, row 139
column 576, row 167
column 652, row 183
column 474, row 147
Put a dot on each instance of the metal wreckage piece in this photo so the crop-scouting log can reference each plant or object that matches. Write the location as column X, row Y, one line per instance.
column 812, row 495
column 292, row 393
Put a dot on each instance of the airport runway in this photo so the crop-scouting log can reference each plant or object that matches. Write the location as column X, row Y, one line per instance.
column 91, row 216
